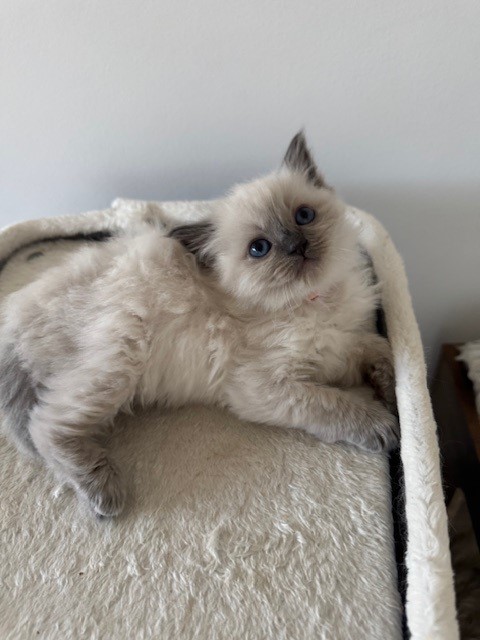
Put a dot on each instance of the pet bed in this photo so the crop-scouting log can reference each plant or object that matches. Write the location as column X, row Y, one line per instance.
column 233, row 530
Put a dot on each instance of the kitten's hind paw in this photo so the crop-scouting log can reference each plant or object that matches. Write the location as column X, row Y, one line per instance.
column 104, row 489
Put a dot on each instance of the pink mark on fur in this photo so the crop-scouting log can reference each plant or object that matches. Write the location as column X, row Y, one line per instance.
column 327, row 297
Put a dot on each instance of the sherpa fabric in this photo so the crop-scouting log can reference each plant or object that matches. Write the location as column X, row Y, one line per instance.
column 470, row 354
column 233, row 530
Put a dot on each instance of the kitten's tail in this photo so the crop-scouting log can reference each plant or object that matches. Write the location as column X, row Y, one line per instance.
column 18, row 396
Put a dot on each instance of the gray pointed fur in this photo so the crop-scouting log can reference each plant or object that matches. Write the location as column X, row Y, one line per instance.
column 299, row 159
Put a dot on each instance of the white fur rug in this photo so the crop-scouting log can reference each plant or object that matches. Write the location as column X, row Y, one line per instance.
column 233, row 530
column 470, row 354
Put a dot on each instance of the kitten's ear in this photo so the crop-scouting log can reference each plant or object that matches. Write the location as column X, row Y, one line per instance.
column 196, row 238
column 299, row 160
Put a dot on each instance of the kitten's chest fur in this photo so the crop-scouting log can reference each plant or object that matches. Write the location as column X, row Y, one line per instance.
column 202, row 341
column 315, row 340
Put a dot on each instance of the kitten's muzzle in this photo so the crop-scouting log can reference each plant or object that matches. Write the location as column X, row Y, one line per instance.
column 296, row 246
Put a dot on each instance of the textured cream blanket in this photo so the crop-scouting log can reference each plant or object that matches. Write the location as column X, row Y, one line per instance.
column 234, row 530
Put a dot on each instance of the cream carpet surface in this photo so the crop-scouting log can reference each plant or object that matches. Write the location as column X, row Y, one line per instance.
column 233, row 531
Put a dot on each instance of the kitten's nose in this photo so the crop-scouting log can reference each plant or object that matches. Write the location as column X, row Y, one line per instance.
column 297, row 247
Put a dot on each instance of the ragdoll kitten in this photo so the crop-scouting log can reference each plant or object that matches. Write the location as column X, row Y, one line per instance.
column 265, row 308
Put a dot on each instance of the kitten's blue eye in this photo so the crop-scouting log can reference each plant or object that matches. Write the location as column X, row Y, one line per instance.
column 259, row 248
column 304, row 215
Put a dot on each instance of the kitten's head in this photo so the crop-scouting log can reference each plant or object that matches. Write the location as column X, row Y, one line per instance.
column 275, row 240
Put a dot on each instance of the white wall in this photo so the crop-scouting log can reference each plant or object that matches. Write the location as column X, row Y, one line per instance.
column 180, row 99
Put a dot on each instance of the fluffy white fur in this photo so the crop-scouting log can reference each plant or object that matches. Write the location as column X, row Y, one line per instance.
column 470, row 354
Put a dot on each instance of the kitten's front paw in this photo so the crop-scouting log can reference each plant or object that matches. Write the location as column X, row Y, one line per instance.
column 380, row 374
column 384, row 432
column 104, row 489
